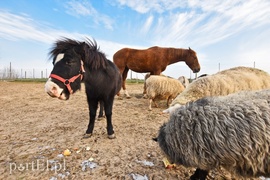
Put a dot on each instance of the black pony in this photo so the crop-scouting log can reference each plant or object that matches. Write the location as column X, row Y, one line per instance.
column 75, row 62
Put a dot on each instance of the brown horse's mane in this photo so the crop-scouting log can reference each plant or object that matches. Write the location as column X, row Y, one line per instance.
column 179, row 52
column 175, row 51
column 88, row 50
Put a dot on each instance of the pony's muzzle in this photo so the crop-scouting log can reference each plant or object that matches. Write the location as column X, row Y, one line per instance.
column 53, row 90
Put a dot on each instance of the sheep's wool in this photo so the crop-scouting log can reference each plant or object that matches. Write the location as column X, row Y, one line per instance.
column 231, row 131
column 224, row 83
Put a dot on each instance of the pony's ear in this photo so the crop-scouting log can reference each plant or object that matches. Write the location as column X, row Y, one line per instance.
column 189, row 48
column 80, row 50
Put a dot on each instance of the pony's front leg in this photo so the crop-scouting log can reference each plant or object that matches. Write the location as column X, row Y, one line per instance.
column 92, row 115
column 108, row 113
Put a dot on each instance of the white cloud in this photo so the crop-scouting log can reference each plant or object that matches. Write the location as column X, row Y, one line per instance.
column 76, row 9
column 84, row 8
column 21, row 27
column 147, row 24
column 198, row 22
column 205, row 23
column 145, row 6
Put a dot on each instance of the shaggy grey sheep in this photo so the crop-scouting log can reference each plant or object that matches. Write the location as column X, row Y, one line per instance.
column 232, row 131
column 223, row 83
column 161, row 87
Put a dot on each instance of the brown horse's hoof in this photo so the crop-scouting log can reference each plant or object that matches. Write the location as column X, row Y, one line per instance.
column 85, row 136
column 112, row 136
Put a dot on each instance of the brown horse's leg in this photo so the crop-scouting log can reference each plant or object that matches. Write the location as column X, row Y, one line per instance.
column 144, row 91
column 144, row 88
column 124, row 75
column 144, row 85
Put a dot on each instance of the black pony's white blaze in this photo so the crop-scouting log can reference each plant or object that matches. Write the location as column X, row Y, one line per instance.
column 59, row 57
column 52, row 88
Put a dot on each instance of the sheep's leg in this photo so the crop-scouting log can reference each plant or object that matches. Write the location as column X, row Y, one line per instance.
column 155, row 103
column 168, row 101
column 150, row 104
column 199, row 174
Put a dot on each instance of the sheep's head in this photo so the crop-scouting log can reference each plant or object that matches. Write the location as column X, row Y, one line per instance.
column 172, row 108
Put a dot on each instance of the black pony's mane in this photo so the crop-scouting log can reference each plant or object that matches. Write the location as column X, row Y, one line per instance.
column 88, row 50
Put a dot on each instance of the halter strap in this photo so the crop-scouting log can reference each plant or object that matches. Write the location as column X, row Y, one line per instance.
column 71, row 80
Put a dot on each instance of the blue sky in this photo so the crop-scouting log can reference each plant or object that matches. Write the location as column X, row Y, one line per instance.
column 224, row 33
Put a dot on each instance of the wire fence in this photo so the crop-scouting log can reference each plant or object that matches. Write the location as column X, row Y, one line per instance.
column 9, row 73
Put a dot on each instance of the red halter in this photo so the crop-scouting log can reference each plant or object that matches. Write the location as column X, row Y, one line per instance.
column 71, row 80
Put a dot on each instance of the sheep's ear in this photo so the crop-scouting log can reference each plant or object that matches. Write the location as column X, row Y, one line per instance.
column 155, row 139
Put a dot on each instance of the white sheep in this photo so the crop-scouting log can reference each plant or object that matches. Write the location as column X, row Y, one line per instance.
column 231, row 131
column 161, row 87
column 222, row 83
column 184, row 81
column 144, row 84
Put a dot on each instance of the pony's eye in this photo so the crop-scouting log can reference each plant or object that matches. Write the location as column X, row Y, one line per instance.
column 69, row 63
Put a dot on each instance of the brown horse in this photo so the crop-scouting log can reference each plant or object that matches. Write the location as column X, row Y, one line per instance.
column 154, row 60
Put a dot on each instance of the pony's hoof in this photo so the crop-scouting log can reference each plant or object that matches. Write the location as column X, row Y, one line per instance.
column 85, row 136
column 112, row 136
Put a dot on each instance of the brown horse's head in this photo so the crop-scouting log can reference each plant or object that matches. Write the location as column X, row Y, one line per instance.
column 192, row 61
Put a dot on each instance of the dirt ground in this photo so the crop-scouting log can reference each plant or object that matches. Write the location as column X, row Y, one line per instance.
column 36, row 129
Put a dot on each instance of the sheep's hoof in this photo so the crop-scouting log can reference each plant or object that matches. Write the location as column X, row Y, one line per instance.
column 128, row 97
column 112, row 136
column 149, row 109
column 85, row 136
column 120, row 98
